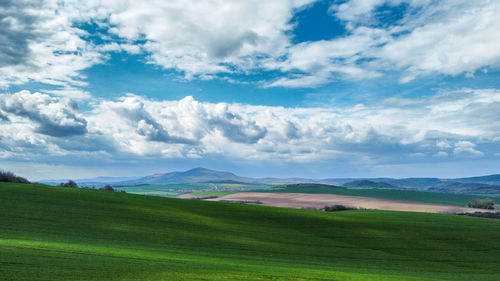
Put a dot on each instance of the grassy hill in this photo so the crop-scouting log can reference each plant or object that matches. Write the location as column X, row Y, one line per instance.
column 393, row 194
column 56, row 233
column 367, row 184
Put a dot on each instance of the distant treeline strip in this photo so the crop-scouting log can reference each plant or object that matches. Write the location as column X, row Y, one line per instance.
column 6, row 176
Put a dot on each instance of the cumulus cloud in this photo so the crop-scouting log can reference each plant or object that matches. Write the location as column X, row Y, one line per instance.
column 466, row 148
column 40, row 43
column 441, row 154
column 16, row 31
column 134, row 126
column 432, row 37
column 182, row 35
column 52, row 117
column 443, row 144
column 184, row 122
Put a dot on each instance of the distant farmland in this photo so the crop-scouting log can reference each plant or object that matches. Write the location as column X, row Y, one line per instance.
column 175, row 189
column 56, row 233
column 392, row 194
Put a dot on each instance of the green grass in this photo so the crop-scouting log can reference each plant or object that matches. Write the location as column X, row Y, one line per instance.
column 393, row 194
column 174, row 189
column 161, row 189
column 55, row 233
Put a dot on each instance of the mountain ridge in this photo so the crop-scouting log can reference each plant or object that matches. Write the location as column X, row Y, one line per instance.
column 204, row 175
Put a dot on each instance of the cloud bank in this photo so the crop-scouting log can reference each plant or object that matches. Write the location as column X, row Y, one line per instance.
column 453, row 124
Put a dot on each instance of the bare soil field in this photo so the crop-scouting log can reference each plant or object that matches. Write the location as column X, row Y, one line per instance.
column 186, row 196
column 303, row 200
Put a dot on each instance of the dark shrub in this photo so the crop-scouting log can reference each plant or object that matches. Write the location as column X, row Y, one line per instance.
column 485, row 203
column 489, row 215
column 10, row 177
column 107, row 188
column 70, row 183
column 335, row 208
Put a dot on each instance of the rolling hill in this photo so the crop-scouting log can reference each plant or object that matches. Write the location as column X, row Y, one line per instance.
column 196, row 175
column 56, row 233
column 367, row 184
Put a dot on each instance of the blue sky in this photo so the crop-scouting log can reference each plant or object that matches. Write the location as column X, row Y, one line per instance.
column 260, row 88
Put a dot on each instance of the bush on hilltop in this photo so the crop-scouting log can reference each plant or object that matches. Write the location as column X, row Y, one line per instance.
column 70, row 183
column 10, row 177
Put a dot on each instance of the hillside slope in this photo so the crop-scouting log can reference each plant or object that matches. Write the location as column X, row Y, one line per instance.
column 195, row 175
column 55, row 233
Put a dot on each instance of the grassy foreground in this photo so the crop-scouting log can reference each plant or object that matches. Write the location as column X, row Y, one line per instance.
column 392, row 194
column 55, row 233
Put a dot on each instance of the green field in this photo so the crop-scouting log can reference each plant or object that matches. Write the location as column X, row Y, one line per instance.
column 175, row 189
column 161, row 189
column 393, row 194
column 56, row 233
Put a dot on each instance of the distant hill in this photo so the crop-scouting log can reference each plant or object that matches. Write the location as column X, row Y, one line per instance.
column 490, row 179
column 469, row 188
column 367, row 184
column 306, row 185
column 196, row 175
column 97, row 182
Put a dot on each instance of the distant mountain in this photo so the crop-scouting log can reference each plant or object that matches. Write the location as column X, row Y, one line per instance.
column 469, row 188
column 91, row 181
column 307, row 185
column 342, row 181
column 490, row 179
column 196, row 175
column 415, row 183
column 367, row 184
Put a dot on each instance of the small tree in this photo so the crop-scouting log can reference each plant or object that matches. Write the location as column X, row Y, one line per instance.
column 108, row 188
column 70, row 183
column 484, row 203
column 335, row 208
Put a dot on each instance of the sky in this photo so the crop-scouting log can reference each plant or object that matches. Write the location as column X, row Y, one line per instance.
column 282, row 88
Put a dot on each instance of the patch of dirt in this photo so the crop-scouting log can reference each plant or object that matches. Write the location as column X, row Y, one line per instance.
column 317, row 201
column 186, row 196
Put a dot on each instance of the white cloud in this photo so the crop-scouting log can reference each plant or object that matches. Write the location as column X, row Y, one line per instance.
column 324, row 61
column 135, row 126
column 70, row 92
column 433, row 37
column 443, row 144
column 206, row 37
column 356, row 10
column 441, row 154
column 466, row 148
column 456, row 37
column 43, row 42
column 52, row 50
column 51, row 116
